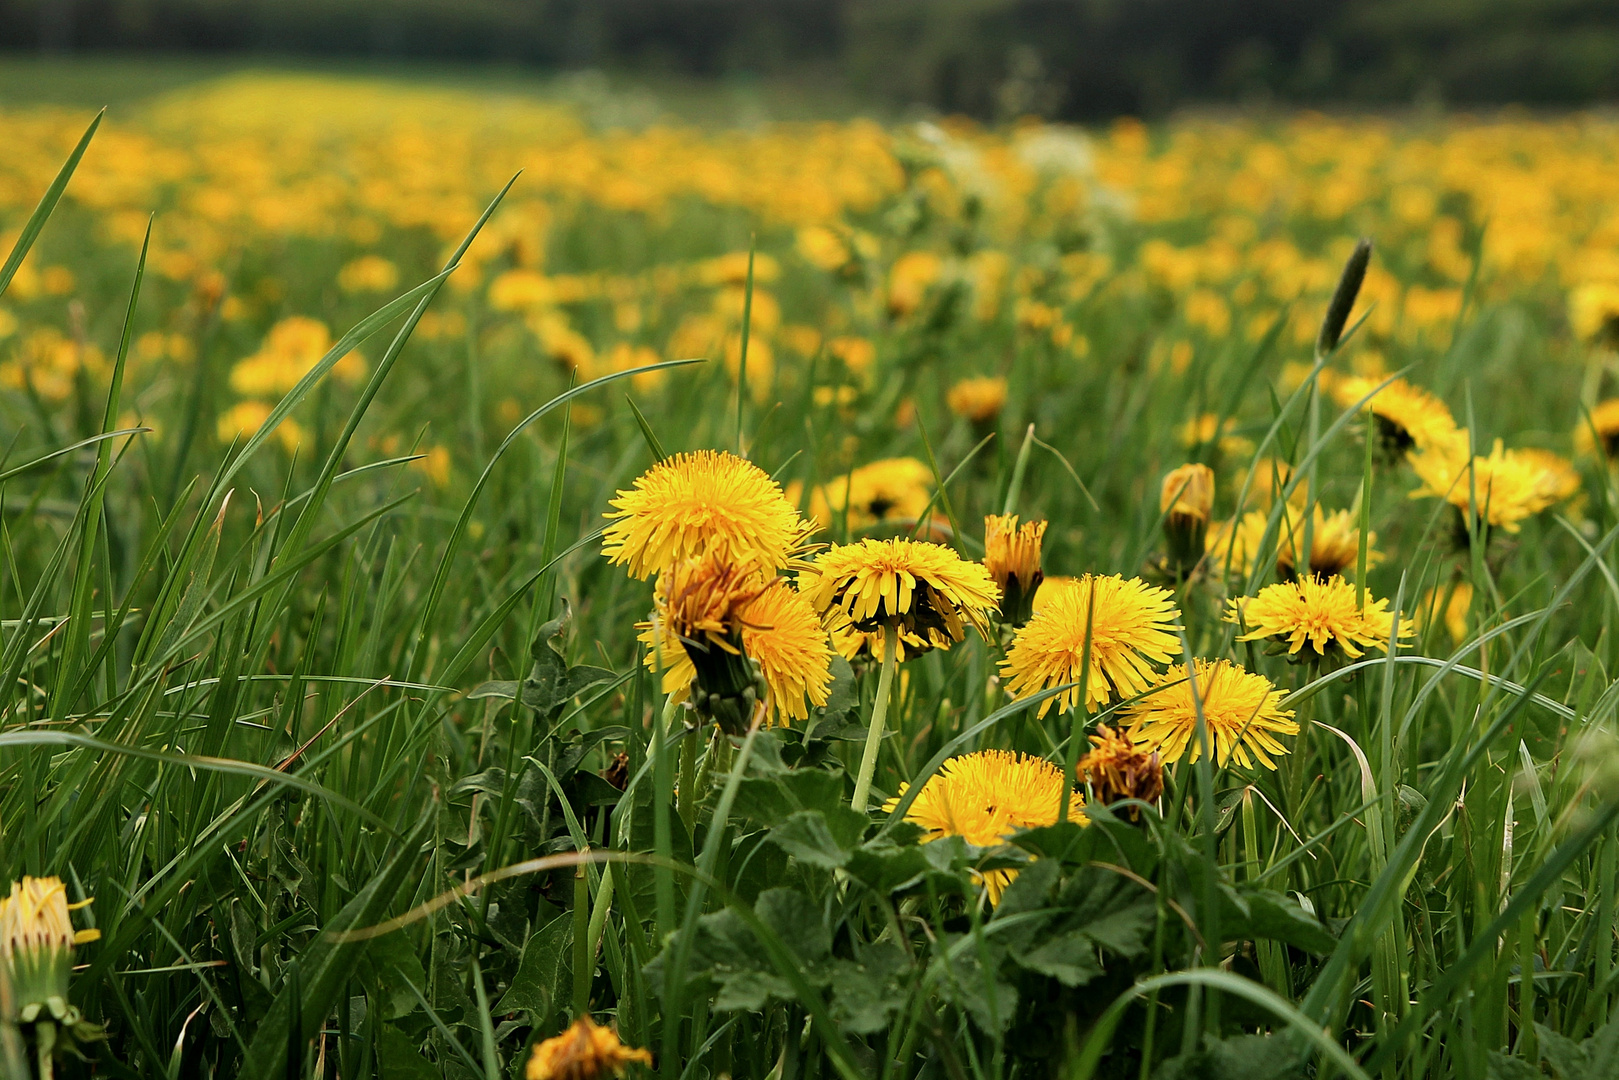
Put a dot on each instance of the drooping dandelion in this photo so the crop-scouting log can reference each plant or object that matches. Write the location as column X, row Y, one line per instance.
column 691, row 505
column 1012, row 557
column 1132, row 627
column 1242, row 712
column 1116, row 768
column 585, row 1051
column 1316, row 618
column 718, row 616
column 898, row 591
column 985, row 797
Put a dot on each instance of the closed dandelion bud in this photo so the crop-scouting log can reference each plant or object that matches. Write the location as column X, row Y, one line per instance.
column 1117, row 769
column 1186, row 501
column 36, row 950
column 1012, row 557
column 1343, row 297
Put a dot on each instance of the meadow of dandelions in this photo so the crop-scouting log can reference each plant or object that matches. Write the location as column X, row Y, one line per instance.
column 814, row 600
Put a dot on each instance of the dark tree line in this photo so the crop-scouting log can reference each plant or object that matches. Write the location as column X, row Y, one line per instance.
column 1061, row 58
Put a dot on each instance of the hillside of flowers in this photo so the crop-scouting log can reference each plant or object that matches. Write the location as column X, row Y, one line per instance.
column 491, row 589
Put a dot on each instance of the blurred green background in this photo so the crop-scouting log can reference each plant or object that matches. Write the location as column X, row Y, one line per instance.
column 992, row 59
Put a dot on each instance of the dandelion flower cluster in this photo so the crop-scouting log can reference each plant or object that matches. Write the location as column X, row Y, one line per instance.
column 987, row 796
column 1242, row 711
column 1132, row 627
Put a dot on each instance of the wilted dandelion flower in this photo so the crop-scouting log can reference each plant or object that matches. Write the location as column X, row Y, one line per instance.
column 1132, row 628
column 36, row 949
column 978, row 399
column 1242, row 711
column 1505, row 487
column 985, row 797
column 1318, row 612
column 1408, row 418
column 586, row 1051
column 1012, row 557
column 690, row 505
column 924, row 590
column 704, row 607
column 1116, row 768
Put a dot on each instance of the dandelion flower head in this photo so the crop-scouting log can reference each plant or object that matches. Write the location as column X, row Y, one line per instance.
column 691, row 505
column 987, row 796
column 1133, row 627
column 1319, row 612
column 924, row 590
column 1243, row 713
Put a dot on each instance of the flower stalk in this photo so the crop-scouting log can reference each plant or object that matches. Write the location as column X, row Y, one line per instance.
column 879, row 719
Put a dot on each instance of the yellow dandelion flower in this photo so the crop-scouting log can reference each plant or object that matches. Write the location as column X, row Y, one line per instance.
column 894, row 489
column 1408, row 417
column 1012, row 557
column 774, row 625
column 293, row 346
column 987, row 796
column 1556, row 476
column 1319, row 612
column 978, row 399
column 1116, row 768
column 1602, row 427
column 1242, row 712
column 1452, row 611
column 1507, row 485
column 690, row 505
column 1593, row 311
column 1334, row 543
column 1205, row 429
column 368, row 273
column 1132, row 628
column 924, row 590
column 586, row 1051
column 36, row 948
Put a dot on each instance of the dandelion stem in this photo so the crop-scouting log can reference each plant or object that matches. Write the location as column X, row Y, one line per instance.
column 879, row 718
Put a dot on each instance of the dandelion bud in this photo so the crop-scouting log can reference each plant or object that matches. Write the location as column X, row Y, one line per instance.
column 1012, row 557
column 36, row 950
column 1116, row 769
column 585, row 1051
column 1343, row 297
column 1186, row 500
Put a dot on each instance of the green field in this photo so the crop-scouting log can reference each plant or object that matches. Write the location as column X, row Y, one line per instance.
column 321, row 684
